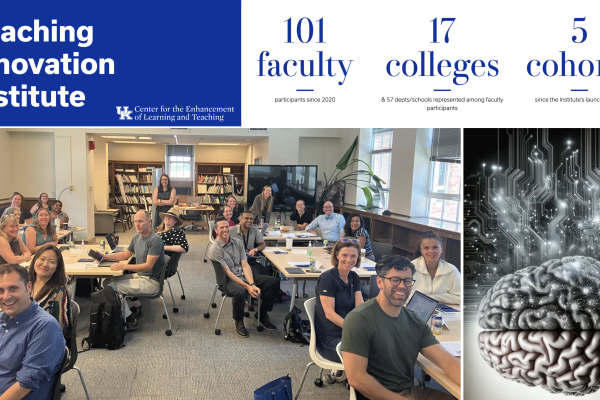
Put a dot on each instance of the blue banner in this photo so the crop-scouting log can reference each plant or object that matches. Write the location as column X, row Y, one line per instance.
column 109, row 63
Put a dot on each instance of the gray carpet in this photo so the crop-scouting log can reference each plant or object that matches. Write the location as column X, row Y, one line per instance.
column 194, row 363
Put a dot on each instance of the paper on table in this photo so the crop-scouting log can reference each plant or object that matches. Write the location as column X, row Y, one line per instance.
column 307, row 234
column 274, row 233
column 298, row 251
column 453, row 348
column 452, row 316
column 298, row 264
column 288, row 235
column 79, row 265
column 270, row 249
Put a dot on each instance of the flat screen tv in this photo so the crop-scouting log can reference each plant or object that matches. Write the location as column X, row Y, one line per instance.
column 289, row 183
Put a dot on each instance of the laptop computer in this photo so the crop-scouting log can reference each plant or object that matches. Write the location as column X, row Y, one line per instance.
column 291, row 223
column 113, row 242
column 423, row 305
column 264, row 229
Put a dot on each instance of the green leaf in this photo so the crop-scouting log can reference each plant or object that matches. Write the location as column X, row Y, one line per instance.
column 368, row 196
column 343, row 163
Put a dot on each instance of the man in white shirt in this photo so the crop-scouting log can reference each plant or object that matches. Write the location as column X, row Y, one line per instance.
column 331, row 224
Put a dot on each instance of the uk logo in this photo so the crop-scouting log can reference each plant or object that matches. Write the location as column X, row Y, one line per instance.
column 125, row 114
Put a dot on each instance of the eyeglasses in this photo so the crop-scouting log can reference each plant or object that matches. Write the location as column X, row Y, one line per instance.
column 349, row 240
column 395, row 281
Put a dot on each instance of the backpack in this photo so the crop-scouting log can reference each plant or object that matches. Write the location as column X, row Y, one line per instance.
column 296, row 329
column 107, row 325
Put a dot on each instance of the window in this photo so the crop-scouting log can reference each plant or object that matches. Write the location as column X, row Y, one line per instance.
column 381, row 161
column 445, row 182
column 180, row 167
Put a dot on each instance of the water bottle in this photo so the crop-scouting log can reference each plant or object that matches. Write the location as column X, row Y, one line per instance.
column 71, row 248
column 83, row 247
column 309, row 251
column 436, row 323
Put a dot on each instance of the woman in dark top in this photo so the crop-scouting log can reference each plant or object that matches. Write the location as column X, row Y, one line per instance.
column 301, row 217
column 355, row 228
column 48, row 278
column 171, row 233
column 232, row 202
column 16, row 200
column 228, row 214
column 164, row 197
column 42, row 203
column 12, row 248
column 263, row 203
column 338, row 292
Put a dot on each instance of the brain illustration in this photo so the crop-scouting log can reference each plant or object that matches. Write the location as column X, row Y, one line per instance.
column 564, row 362
column 559, row 294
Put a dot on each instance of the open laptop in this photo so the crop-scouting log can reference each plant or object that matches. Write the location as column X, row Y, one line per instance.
column 423, row 305
column 113, row 242
column 291, row 223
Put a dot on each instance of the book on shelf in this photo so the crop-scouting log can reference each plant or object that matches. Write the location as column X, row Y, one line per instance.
column 118, row 169
column 213, row 179
column 141, row 169
column 130, row 170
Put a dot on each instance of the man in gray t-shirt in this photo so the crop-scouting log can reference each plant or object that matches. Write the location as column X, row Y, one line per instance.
column 149, row 252
column 381, row 340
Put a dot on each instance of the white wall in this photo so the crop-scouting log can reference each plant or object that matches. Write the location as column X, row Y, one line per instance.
column 33, row 167
column 221, row 154
column 409, row 178
column 321, row 151
column 136, row 152
column 5, row 155
column 101, row 174
column 262, row 149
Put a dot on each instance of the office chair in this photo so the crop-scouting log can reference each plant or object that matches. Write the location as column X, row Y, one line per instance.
column 171, row 270
column 211, row 228
column 316, row 358
column 380, row 250
column 352, row 391
column 55, row 391
column 221, row 285
column 157, row 295
column 72, row 346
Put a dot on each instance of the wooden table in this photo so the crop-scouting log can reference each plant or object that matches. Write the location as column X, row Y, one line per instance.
column 61, row 234
column 435, row 372
column 280, row 261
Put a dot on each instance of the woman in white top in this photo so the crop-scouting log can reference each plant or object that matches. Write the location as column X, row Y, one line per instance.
column 435, row 277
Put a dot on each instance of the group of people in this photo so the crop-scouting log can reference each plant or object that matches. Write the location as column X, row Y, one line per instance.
column 380, row 339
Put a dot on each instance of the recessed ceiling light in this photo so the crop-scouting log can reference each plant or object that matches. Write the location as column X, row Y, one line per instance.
column 145, row 138
column 133, row 142
column 219, row 144
column 119, row 137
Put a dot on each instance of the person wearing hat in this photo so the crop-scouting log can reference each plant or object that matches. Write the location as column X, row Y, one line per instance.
column 171, row 233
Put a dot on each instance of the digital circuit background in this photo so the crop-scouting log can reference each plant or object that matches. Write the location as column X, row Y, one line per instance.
column 531, row 195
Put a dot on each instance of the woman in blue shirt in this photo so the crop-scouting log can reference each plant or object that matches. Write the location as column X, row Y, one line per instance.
column 40, row 232
column 354, row 228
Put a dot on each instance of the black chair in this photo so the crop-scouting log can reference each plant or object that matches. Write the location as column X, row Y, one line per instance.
column 194, row 216
column 380, row 250
column 158, row 295
column 222, row 286
column 122, row 218
column 171, row 270
column 72, row 346
column 55, row 391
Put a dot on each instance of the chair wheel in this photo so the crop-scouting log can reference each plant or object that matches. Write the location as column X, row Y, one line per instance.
column 305, row 296
column 205, row 260
column 63, row 388
column 164, row 316
column 175, row 310
column 206, row 315
column 318, row 382
column 214, row 305
column 217, row 332
column 250, row 308
column 287, row 337
column 183, row 297
column 259, row 328
column 168, row 332
column 246, row 314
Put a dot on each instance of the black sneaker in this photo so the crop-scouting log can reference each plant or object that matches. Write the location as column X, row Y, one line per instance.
column 265, row 321
column 240, row 329
column 136, row 312
column 131, row 323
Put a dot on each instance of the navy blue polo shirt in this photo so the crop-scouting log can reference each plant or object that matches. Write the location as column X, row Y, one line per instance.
column 331, row 285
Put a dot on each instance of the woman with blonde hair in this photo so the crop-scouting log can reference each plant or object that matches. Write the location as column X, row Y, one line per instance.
column 263, row 203
column 12, row 248
column 49, row 279
column 42, row 203
column 40, row 232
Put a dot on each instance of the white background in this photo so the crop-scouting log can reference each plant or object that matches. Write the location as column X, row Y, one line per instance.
column 372, row 33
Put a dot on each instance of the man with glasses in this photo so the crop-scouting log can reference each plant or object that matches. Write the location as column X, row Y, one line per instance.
column 331, row 224
column 381, row 340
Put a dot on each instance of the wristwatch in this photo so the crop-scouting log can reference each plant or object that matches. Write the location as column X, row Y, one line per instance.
column 253, row 284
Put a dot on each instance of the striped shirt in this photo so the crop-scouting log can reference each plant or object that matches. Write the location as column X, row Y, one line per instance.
column 365, row 234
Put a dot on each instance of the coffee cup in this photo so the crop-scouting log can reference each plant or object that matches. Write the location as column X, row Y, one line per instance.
column 289, row 243
column 362, row 255
column 65, row 226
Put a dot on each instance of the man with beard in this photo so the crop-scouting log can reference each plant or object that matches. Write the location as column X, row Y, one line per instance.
column 381, row 340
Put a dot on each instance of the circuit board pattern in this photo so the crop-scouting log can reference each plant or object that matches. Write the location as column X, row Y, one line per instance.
column 537, row 200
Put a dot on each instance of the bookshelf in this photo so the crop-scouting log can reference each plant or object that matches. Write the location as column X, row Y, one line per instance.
column 137, row 182
column 215, row 182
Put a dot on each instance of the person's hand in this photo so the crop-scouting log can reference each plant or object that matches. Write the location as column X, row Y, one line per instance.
column 252, row 252
column 24, row 257
column 254, row 291
column 118, row 267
